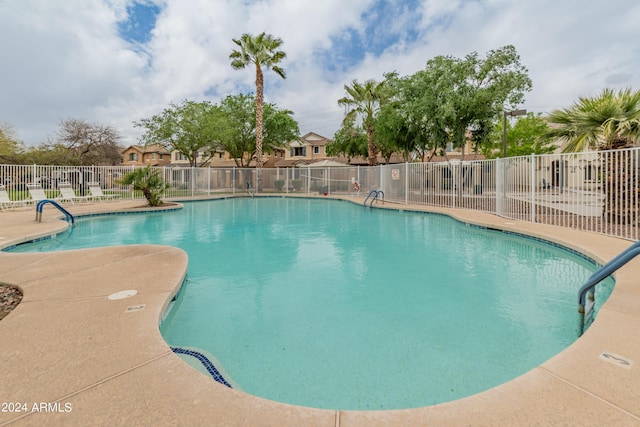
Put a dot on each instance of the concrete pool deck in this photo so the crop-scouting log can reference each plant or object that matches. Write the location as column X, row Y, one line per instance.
column 70, row 356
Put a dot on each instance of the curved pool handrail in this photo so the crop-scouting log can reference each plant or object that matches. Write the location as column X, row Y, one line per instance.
column 369, row 195
column 603, row 272
column 41, row 204
column 379, row 192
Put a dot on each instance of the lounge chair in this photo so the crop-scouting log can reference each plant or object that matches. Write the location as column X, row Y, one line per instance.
column 67, row 193
column 97, row 194
column 36, row 192
column 6, row 202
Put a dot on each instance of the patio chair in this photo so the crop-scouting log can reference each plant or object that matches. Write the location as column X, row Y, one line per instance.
column 6, row 202
column 36, row 192
column 67, row 193
column 97, row 194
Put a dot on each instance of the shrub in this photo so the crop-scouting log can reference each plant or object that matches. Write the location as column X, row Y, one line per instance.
column 149, row 182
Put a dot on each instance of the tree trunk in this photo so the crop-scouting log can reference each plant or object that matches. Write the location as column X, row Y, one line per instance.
column 147, row 195
column 259, row 124
column 371, row 145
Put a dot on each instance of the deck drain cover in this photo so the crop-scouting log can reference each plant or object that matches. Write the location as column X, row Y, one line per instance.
column 617, row 360
column 134, row 308
column 122, row 294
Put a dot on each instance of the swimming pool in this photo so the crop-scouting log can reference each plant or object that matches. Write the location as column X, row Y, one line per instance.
column 328, row 304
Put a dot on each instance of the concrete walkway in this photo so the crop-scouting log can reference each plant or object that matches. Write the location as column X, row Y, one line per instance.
column 70, row 356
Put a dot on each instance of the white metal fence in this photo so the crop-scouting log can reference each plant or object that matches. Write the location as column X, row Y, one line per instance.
column 594, row 191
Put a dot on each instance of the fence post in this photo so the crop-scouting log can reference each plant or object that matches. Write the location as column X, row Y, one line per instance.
column 500, row 175
column 406, row 183
column 233, row 180
column 457, row 187
column 533, row 185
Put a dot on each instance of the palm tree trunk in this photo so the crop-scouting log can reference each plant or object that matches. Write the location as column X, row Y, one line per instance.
column 373, row 158
column 259, row 123
column 147, row 195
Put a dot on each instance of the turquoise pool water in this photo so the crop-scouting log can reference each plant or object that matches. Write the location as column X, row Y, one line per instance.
column 332, row 305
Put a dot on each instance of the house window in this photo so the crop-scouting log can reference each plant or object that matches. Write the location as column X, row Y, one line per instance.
column 298, row 151
column 133, row 157
column 160, row 156
column 154, row 156
column 316, row 150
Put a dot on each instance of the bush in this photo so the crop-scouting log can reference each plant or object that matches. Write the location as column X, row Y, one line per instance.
column 279, row 184
column 149, row 182
column 297, row 184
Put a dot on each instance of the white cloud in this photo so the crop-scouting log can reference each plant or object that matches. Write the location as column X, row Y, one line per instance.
column 65, row 59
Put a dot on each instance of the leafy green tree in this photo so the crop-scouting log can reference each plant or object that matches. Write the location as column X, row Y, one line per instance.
column 413, row 99
column 261, row 51
column 189, row 128
column 350, row 140
column 279, row 128
column 364, row 100
column 11, row 149
column 149, row 182
column 452, row 95
column 238, row 137
column 529, row 135
column 394, row 133
column 608, row 121
column 48, row 154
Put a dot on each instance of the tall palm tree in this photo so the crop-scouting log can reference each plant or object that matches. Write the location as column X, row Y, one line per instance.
column 605, row 122
column 364, row 100
column 261, row 50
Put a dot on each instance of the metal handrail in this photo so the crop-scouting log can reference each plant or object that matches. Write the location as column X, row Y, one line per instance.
column 376, row 196
column 375, row 193
column 41, row 204
column 603, row 272
column 369, row 195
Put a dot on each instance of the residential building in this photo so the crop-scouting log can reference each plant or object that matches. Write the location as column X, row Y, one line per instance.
column 311, row 146
column 154, row 155
column 202, row 159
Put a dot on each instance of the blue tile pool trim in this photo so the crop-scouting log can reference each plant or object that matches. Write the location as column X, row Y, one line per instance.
column 215, row 374
column 36, row 240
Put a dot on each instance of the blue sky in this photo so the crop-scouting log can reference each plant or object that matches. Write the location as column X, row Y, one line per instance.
column 117, row 61
column 139, row 22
